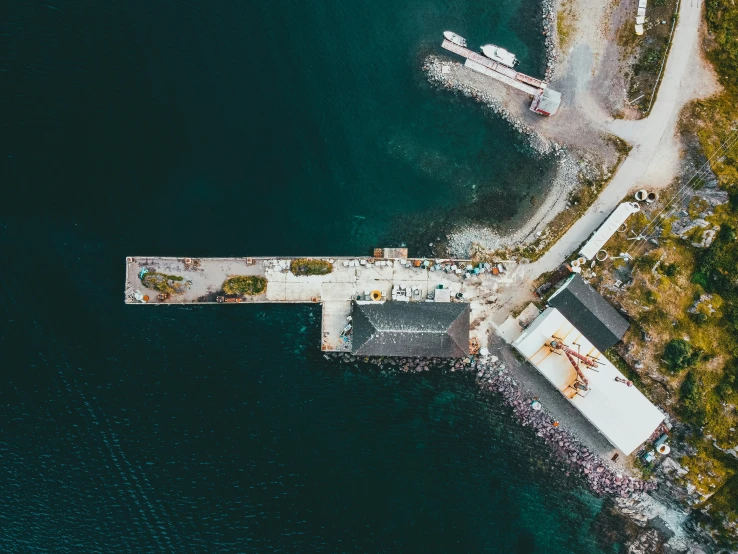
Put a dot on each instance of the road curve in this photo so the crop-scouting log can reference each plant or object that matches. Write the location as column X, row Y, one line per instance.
column 647, row 136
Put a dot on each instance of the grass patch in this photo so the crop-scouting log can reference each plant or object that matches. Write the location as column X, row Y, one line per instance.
column 648, row 52
column 308, row 266
column 706, row 472
column 645, row 468
column 565, row 23
column 715, row 477
column 697, row 304
column 161, row 282
column 247, row 285
column 723, row 502
column 617, row 360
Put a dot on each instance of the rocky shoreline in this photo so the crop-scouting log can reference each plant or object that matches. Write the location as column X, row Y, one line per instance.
column 492, row 376
column 442, row 72
column 629, row 495
column 548, row 9
column 437, row 75
column 468, row 239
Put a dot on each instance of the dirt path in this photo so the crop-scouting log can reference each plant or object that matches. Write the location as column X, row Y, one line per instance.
column 687, row 76
column 654, row 160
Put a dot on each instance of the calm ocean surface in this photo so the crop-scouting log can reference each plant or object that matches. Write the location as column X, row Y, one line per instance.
column 237, row 128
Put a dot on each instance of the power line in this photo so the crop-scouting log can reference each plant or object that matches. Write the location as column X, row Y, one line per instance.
column 705, row 167
column 724, row 148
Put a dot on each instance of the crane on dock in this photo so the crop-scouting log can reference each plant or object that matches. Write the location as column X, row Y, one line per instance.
column 575, row 358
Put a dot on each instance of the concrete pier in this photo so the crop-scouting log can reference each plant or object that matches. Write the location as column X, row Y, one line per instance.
column 352, row 278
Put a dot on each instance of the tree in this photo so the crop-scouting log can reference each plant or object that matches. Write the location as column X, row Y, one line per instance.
column 693, row 404
column 679, row 354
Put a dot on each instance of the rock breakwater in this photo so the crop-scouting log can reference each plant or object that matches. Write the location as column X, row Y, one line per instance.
column 548, row 8
column 492, row 376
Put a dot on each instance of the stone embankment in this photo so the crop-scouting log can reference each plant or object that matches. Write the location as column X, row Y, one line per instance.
column 548, row 8
column 492, row 376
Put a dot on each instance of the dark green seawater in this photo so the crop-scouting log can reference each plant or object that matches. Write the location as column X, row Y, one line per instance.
column 244, row 128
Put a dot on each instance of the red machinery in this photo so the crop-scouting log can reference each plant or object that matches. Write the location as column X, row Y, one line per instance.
column 574, row 357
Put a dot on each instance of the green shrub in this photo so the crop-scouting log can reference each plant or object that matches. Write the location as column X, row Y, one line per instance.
column 652, row 297
column 670, row 270
column 679, row 354
column 700, row 317
column 307, row 266
column 245, row 284
column 700, row 279
column 161, row 282
column 722, row 21
column 728, row 387
column 693, row 404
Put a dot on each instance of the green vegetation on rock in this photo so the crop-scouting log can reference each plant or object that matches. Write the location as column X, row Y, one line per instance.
column 683, row 301
column 716, row 272
column 308, row 266
column 692, row 394
column 247, row 285
column 161, row 282
column 708, row 396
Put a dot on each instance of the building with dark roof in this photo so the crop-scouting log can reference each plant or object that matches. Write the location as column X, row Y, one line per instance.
column 589, row 312
column 417, row 329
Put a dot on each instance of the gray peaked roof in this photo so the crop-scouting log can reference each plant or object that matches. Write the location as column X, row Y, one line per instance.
column 590, row 313
column 417, row 329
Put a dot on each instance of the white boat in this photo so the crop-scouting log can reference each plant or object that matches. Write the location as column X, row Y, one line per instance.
column 453, row 37
column 499, row 55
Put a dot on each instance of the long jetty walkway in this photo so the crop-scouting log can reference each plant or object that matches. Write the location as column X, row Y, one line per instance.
column 501, row 72
column 352, row 278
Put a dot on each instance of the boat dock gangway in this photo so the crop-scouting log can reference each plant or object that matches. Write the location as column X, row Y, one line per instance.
column 545, row 100
column 514, row 78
